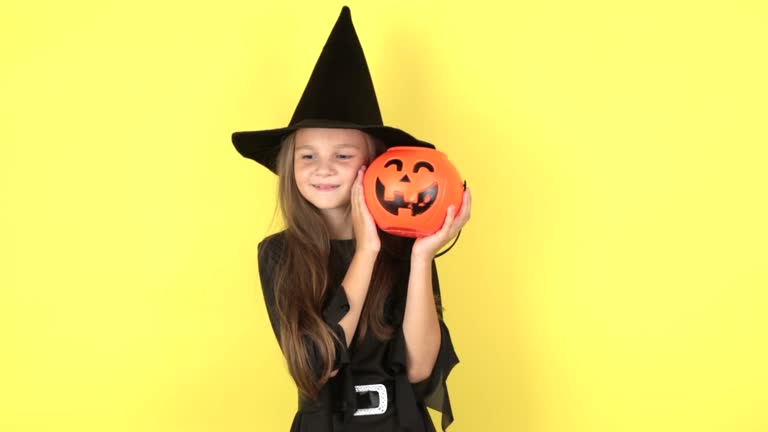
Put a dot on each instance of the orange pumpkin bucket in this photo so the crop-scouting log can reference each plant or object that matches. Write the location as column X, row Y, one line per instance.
column 408, row 190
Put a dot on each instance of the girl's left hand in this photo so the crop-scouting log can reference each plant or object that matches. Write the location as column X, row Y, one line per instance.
column 427, row 247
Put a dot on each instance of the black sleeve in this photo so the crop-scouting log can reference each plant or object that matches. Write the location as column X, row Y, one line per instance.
column 434, row 390
column 270, row 252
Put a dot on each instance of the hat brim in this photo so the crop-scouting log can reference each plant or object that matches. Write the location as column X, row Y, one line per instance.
column 263, row 146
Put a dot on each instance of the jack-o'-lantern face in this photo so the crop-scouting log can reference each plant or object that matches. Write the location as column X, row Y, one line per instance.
column 407, row 188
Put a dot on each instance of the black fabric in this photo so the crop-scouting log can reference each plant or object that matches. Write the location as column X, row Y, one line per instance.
column 340, row 87
column 368, row 361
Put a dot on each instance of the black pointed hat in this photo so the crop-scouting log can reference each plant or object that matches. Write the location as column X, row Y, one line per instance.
column 339, row 94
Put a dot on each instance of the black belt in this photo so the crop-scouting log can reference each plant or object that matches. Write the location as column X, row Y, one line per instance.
column 371, row 399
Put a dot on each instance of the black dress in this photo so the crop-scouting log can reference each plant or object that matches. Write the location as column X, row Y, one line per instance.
column 369, row 361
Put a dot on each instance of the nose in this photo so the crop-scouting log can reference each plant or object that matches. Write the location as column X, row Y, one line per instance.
column 325, row 167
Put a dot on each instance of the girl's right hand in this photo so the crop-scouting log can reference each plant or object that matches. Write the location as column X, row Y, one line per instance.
column 366, row 235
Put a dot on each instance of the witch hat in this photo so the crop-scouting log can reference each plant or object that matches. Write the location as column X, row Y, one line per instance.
column 339, row 94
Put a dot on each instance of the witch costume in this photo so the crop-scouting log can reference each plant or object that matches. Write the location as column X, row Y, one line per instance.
column 371, row 391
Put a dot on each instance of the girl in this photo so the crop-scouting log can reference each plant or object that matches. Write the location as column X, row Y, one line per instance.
column 357, row 312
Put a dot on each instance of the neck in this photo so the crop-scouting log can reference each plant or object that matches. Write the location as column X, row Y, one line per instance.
column 339, row 223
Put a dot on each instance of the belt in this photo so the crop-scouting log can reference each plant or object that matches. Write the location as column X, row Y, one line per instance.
column 374, row 399
column 371, row 399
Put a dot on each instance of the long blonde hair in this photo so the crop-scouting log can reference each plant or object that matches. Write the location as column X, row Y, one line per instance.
column 302, row 277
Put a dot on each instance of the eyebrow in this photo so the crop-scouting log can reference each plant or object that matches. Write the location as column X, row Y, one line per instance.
column 342, row 145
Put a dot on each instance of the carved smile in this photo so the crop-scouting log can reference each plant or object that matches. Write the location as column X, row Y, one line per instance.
column 422, row 204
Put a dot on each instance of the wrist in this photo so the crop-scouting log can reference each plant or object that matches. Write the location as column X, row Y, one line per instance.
column 368, row 253
column 421, row 257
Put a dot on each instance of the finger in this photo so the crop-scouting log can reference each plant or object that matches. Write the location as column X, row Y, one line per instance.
column 464, row 214
column 360, row 192
column 466, row 207
column 457, row 223
column 358, row 178
column 448, row 219
column 357, row 185
column 363, row 207
column 353, row 190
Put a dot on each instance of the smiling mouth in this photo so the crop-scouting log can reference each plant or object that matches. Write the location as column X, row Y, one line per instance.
column 424, row 200
column 325, row 188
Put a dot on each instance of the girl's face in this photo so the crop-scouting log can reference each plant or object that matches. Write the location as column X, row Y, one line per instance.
column 325, row 163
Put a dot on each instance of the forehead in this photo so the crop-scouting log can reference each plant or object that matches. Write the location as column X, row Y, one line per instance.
column 333, row 139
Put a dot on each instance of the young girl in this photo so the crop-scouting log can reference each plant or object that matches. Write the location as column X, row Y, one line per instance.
column 357, row 312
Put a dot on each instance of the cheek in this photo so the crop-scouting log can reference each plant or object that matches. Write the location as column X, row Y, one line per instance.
column 299, row 170
column 300, row 180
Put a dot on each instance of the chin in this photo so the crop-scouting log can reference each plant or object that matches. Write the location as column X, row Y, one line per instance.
column 331, row 206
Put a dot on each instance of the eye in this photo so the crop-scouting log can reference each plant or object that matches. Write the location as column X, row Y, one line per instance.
column 426, row 165
column 397, row 162
column 345, row 156
column 306, row 156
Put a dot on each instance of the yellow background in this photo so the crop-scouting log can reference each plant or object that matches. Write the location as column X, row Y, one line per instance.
column 612, row 278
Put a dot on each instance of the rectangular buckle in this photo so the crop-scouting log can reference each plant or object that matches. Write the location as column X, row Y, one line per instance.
column 378, row 388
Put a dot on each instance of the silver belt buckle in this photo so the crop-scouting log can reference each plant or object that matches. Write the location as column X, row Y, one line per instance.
column 381, row 390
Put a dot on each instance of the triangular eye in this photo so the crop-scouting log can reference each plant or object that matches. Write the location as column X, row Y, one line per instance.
column 423, row 164
column 397, row 162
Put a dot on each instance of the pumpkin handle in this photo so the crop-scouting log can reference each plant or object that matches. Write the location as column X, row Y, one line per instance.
column 449, row 247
